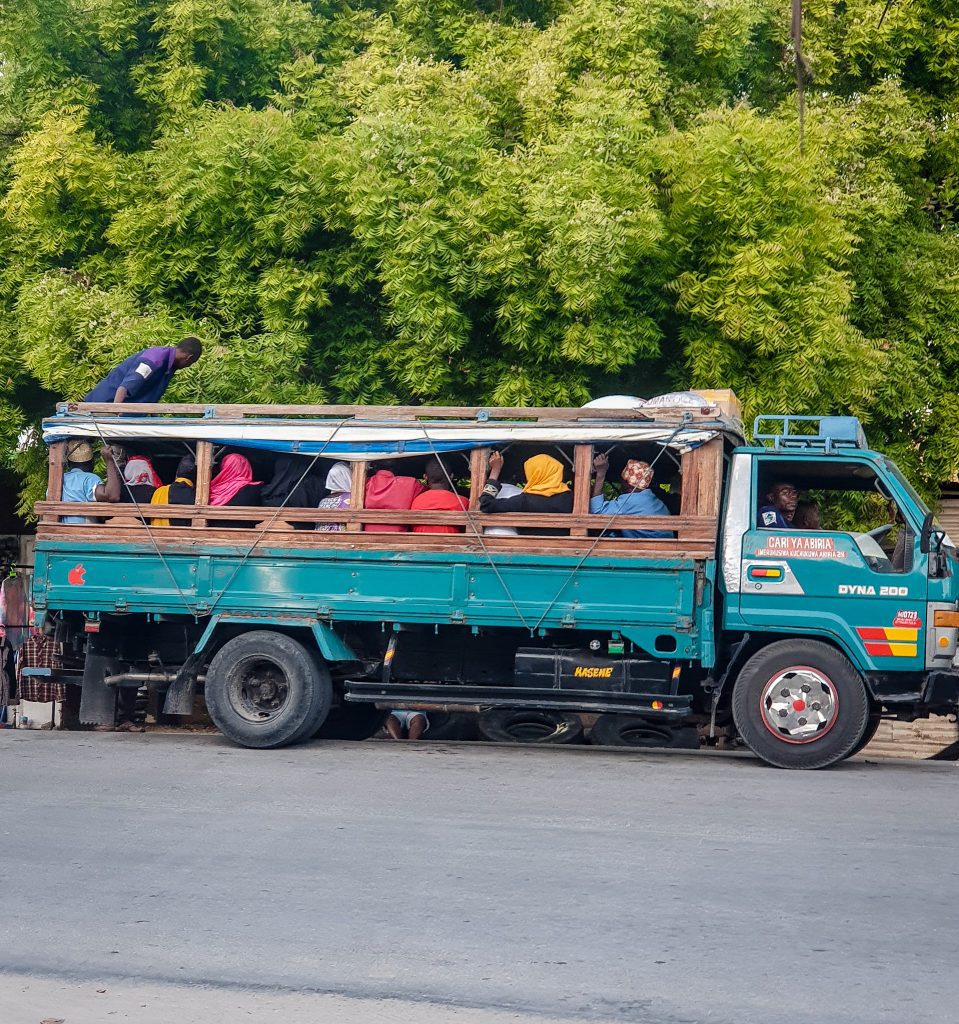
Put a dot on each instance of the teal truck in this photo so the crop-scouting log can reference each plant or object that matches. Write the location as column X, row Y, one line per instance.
column 299, row 622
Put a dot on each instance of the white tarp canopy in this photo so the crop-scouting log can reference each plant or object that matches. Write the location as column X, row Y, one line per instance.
column 352, row 440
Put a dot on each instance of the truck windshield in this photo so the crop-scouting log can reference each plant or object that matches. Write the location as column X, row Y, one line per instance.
column 907, row 487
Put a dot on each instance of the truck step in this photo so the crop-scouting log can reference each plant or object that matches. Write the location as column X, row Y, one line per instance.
column 667, row 707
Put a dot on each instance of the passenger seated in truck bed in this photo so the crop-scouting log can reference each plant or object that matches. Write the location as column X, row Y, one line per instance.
column 181, row 492
column 339, row 482
column 439, row 496
column 140, row 481
column 636, row 498
column 295, row 484
column 234, row 486
column 80, row 483
column 385, row 490
column 545, row 491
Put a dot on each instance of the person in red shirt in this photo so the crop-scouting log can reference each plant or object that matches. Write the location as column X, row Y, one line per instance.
column 439, row 496
column 387, row 491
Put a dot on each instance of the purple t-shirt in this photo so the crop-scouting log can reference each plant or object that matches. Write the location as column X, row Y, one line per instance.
column 145, row 376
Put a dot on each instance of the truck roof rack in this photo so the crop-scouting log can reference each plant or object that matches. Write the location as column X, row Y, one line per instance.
column 810, row 433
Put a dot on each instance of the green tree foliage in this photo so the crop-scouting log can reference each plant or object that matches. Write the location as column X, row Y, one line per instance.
column 486, row 201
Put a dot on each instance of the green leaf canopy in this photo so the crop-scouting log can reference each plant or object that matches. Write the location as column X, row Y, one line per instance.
column 509, row 202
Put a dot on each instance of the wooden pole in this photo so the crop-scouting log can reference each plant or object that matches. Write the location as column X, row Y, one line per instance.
column 582, row 468
column 357, row 496
column 58, row 454
column 479, row 461
column 204, row 473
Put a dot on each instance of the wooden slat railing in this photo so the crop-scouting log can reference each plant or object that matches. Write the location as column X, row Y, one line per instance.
column 693, row 526
column 693, row 536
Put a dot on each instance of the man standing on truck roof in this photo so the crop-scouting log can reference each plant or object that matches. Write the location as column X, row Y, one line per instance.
column 144, row 377
column 781, row 501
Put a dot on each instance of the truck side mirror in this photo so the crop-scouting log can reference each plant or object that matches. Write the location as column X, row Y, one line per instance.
column 925, row 535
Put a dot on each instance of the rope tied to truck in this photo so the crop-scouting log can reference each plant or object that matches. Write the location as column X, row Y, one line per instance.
column 194, row 609
column 602, row 526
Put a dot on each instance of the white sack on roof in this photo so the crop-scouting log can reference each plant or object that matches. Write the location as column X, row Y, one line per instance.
column 616, row 402
column 678, row 400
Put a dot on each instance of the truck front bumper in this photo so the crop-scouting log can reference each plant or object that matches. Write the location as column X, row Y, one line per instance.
column 941, row 690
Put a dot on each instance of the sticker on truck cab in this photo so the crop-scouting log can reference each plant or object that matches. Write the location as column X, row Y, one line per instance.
column 785, row 546
column 889, row 641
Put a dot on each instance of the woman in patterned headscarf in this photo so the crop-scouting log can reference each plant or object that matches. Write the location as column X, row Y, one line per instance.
column 636, row 498
column 140, row 480
column 339, row 482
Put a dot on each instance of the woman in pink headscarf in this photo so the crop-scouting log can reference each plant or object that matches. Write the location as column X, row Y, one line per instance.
column 234, row 486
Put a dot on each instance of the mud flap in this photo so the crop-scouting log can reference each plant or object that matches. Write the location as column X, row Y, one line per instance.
column 98, row 702
column 182, row 691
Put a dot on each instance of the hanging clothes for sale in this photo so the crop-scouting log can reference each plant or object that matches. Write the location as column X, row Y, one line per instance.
column 14, row 609
column 6, row 671
column 38, row 651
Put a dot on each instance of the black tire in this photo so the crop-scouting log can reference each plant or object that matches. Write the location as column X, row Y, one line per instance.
column 265, row 689
column 686, row 737
column 613, row 730
column 772, row 685
column 351, row 722
column 450, row 725
column 530, row 725
column 872, row 727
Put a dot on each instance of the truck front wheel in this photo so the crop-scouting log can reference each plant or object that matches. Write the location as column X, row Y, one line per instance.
column 265, row 689
column 800, row 704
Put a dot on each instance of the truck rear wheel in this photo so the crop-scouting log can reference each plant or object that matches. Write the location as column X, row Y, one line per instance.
column 265, row 689
column 800, row 704
column 530, row 725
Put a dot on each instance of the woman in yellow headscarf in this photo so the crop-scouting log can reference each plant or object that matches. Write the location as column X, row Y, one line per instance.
column 545, row 490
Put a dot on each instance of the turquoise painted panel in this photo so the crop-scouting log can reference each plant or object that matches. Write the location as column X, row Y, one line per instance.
column 597, row 592
column 331, row 646
column 825, row 587
column 547, row 591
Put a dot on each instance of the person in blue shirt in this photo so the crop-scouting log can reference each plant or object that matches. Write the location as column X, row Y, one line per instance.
column 80, row 483
column 144, row 377
column 636, row 498
column 779, row 508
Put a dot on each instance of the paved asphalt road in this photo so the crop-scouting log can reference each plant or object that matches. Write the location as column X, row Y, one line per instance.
column 475, row 884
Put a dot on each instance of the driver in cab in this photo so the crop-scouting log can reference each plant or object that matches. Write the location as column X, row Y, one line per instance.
column 779, row 508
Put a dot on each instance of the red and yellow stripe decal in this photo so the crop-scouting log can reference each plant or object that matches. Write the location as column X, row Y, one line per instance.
column 890, row 641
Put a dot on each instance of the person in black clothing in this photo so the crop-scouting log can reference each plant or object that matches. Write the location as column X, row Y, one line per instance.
column 181, row 492
column 294, row 485
column 545, row 491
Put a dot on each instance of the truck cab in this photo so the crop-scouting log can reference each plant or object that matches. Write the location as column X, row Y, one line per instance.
column 881, row 597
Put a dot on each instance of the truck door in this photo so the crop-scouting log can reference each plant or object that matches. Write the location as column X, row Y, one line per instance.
column 859, row 578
